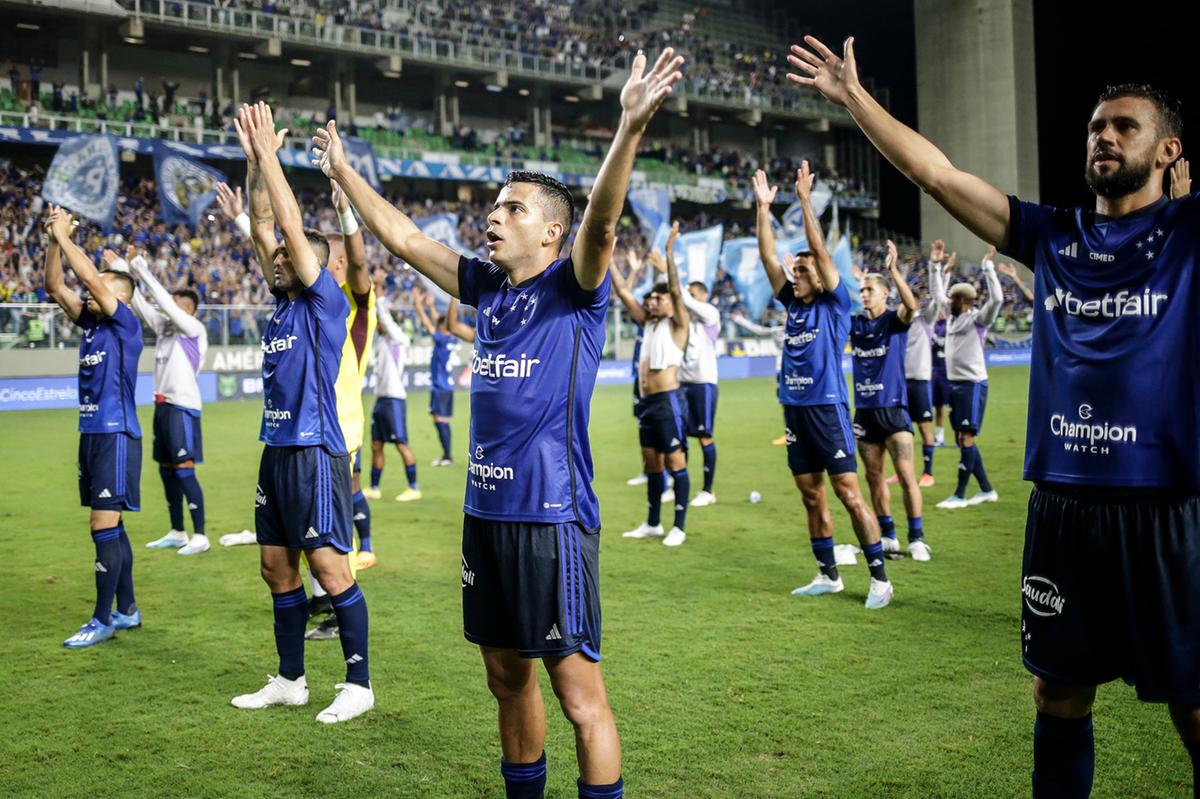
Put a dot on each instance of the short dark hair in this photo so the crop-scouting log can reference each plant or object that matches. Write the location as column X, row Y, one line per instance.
column 1170, row 109
column 188, row 294
column 803, row 254
column 319, row 244
column 557, row 201
column 699, row 284
column 661, row 288
column 126, row 280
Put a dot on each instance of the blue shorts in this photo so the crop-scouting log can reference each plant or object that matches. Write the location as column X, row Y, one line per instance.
column 819, row 439
column 662, row 422
column 1110, row 589
column 177, row 435
column 967, row 403
column 877, row 425
column 701, row 408
column 303, row 499
column 389, row 421
column 110, row 471
column 441, row 403
column 531, row 587
column 941, row 388
column 920, row 400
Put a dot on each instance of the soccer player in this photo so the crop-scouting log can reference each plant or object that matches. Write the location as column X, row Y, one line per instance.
column 812, row 391
column 879, row 340
column 918, row 372
column 529, row 569
column 389, row 419
column 302, row 501
column 966, row 367
column 441, row 386
column 940, row 383
column 1109, row 587
column 110, row 438
column 180, row 343
column 662, row 410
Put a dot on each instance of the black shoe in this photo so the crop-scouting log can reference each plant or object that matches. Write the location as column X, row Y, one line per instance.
column 319, row 605
column 327, row 629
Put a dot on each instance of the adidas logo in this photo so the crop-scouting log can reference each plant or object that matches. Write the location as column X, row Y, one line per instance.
column 100, row 568
column 355, row 658
column 358, row 517
column 105, row 494
column 181, row 453
column 554, row 635
column 674, row 442
column 839, row 454
column 965, row 422
column 311, row 533
column 192, row 506
column 1071, row 250
column 876, row 562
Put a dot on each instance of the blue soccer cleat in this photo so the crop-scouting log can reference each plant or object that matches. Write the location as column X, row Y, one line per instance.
column 90, row 634
column 126, row 621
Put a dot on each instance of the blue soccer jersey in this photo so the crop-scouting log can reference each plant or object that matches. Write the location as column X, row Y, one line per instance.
column 878, row 346
column 937, row 344
column 815, row 336
column 439, row 362
column 537, row 349
column 302, row 350
column 108, row 359
column 1114, row 398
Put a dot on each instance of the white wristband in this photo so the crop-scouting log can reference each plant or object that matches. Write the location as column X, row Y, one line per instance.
column 348, row 222
column 242, row 221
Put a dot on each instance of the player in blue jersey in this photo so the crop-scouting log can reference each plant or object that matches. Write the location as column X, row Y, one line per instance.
column 1110, row 587
column 441, row 385
column 302, row 502
column 812, row 390
column 530, row 575
column 879, row 342
column 110, row 438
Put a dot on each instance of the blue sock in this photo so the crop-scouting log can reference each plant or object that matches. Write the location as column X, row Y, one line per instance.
column 980, row 474
column 1064, row 757
column 351, row 609
column 966, row 465
column 615, row 790
column 887, row 526
column 125, row 600
column 195, row 497
column 656, row 484
column 174, row 492
column 823, row 550
column 916, row 529
column 873, row 554
column 928, row 451
column 291, row 614
column 109, row 559
column 362, row 521
column 410, row 471
column 443, row 431
column 710, row 465
column 683, row 488
column 376, row 476
column 524, row 780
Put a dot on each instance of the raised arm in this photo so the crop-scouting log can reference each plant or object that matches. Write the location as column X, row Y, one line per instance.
column 764, row 195
column 908, row 301
column 230, row 203
column 990, row 309
column 681, row 320
column 1011, row 272
column 81, row 265
column 457, row 328
column 937, row 284
column 383, row 311
column 621, row 286
column 812, row 229
column 981, row 207
column 395, row 231
column 423, row 316
column 56, row 287
column 358, row 274
column 184, row 322
column 706, row 312
column 746, row 324
column 260, row 225
column 149, row 315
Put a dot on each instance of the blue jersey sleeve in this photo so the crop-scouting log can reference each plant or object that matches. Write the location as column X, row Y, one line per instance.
column 568, row 283
column 839, row 297
column 1027, row 223
column 125, row 322
column 896, row 324
column 326, row 297
column 475, row 276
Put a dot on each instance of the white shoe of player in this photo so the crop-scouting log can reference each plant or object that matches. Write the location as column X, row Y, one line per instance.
column 372, row 493
column 879, row 595
column 890, row 545
column 953, row 502
column 984, row 496
column 703, row 500
column 668, row 496
column 277, row 691
column 675, row 537
column 939, row 437
column 197, row 544
column 640, row 480
column 820, row 585
column 352, row 701
column 238, row 539
column 172, row 540
column 644, row 530
column 918, row 550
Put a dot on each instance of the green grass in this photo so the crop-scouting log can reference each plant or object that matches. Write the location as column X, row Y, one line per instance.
column 722, row 683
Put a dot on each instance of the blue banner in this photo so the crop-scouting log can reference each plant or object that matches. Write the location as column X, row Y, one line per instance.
column 361, row 156
column 652, row 207
column 845, row 267
column 697, row 256
column 185, row 187
column 84, row 179
column 740, row 261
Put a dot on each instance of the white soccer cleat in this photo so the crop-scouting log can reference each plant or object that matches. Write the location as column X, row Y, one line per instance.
column 675, row 537
column 172, row 540
column 844, row 554
column 238, row 539
column 879, row 595
column 890, row 545
column 644, row 530
column 408, row 495
column 953, row 502
column 640, row 480
column 198, row 544
column 277, row 691
column 442, row 462
column 703, row 500
column 372, row 493
column 352, row 701
column 821, row 584
column 939, row 437
column 668, row 496
column 984, row 496
column 918, row 550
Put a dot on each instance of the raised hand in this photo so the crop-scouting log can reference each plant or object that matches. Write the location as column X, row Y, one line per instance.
column 835, row 78
column 259, row 126
column 109, row 257
column 656, row 258
column 228, row 200
column 764, row 192
column 1007, row 269
column 893, row 257
column 937, row 251
column 991, row 253
column 327, row 152
column 644, row 92
column 1181, row 179
column 950, row 262
column 670, row 249
column 804, row 183
column 59, row 223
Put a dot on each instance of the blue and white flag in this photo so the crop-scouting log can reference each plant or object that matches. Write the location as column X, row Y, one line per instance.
column 185, row 187
column 793, row 217
column 739, row 259
column 845, row 267
column 793, row 220
column 361, row 156
column 652, row 207
column 84, row 178
column 442, row 228
column 697, row 255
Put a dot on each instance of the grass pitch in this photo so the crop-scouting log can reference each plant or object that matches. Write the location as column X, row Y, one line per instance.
column 722, row 683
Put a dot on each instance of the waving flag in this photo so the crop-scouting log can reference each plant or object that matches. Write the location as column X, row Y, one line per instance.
column 84, row 179
column 652, row 207
column 361, row 156
column 697, row 255
column 185, row 187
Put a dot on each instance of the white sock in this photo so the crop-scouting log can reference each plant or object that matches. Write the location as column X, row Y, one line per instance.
column 317, row 590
